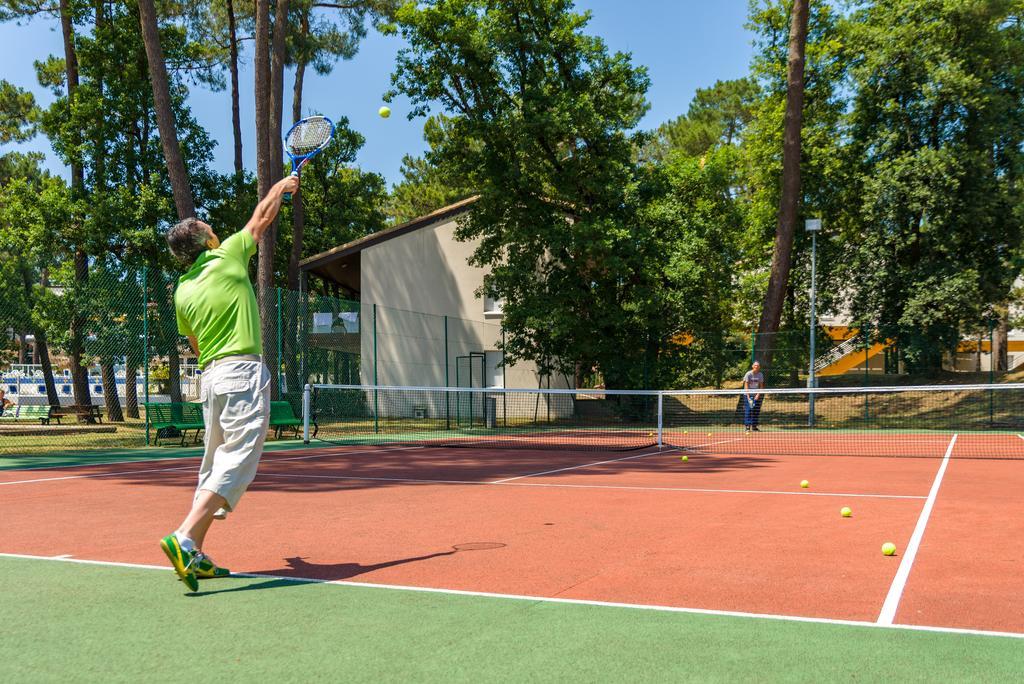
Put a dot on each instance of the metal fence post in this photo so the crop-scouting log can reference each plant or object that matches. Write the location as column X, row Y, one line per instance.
column 145, row 346
column 447, row 381
column 376, row 404
column 305, row 414
column 280, row 356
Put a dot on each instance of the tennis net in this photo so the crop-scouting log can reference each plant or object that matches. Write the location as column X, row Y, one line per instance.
column 916, row 421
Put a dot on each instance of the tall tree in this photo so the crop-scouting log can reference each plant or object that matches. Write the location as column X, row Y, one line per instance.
column 180, row 185
column 934, row 240
column 24, row 234
column 541, row 120
column 18, row 112
column 716, row 116
column 789, row 198
column 236, row 118
column 426, row 185
column 79, row 373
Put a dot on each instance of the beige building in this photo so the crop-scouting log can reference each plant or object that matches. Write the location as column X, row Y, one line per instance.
column 421, row 321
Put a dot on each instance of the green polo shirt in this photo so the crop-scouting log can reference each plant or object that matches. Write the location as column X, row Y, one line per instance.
column 215, row 302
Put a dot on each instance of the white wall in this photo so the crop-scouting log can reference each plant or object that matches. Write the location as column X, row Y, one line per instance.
column 416, row 280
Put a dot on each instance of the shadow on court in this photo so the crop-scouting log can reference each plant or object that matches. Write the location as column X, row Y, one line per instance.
column 299, row 568
column 341, row 471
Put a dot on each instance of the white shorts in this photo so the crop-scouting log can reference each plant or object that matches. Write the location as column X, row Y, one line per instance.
column 236, row 410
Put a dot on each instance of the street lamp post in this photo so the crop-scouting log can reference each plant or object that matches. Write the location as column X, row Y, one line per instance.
column 812, row 226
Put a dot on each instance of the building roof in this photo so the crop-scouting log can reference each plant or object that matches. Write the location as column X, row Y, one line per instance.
column 318, row 262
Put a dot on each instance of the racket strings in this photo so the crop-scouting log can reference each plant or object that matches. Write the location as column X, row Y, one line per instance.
column 308, row 136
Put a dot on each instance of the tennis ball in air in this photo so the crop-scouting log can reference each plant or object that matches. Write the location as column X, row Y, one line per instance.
column 805, row 484
column 845, row 512
column 384, row 112
column 888, row 549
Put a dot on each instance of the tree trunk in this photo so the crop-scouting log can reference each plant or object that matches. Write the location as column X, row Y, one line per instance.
column 292, row 350
column 167, row 334
column 789, row 199
column 112, row 401
column 76, row 346
column 79, row 376
column 298, row 209
column 174, row 374
column 265, row 269
column 236, row 121
column 43, row 355
column 180, row 187
column 131, row 395
column 1000, row 343
column 977, row 356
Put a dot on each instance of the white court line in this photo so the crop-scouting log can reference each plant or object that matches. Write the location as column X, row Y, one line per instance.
column 191, row 467
column 613, row 460
column 584, row 465
column 899, row 582
column 557, row 485
column 551, row 599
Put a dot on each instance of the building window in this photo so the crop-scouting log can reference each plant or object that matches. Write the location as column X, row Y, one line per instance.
column 495, row 371
column 492, row 306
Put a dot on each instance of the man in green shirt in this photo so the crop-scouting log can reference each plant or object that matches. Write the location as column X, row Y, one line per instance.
column 216, row 309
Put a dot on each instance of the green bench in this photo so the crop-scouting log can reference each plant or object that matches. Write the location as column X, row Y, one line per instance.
column 282, row 416
column 181, row 416
column 28, row 412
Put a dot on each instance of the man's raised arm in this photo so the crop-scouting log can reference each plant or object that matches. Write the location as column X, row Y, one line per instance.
column 266, row 210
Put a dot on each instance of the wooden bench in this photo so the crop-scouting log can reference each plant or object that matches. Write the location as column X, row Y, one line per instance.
column 181, row 416
column 282, row 416
column 41, row 413
column 85, row 413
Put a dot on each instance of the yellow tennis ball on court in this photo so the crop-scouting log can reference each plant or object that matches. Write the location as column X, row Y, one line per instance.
column 845, row 512
column 710, row 434
column 384, row 112
column 650, row 434
column 888, row 549
column 805, row 484
column 684, row 458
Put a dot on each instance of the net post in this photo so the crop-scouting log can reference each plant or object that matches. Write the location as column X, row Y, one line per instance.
column 991, row 370
column 661, row 413
column 305, row 413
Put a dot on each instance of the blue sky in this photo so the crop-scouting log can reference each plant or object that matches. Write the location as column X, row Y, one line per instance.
column 685, row 45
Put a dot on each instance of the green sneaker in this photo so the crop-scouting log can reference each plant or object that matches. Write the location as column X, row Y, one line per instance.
column 206, row 568
column 182, row 560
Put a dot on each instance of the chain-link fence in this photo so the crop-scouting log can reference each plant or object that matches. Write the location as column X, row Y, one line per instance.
column 91, row 358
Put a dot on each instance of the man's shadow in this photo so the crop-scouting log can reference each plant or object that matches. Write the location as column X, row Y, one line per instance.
column 300, row 572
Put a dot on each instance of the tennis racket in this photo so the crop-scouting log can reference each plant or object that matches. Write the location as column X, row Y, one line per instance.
column 306, row 139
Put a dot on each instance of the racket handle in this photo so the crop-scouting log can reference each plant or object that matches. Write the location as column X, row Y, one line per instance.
column 288, row 195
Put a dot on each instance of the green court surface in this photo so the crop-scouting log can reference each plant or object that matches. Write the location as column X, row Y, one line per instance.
column 64, row 621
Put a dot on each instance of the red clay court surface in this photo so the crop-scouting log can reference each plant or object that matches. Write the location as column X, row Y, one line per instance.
column 721, row 532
